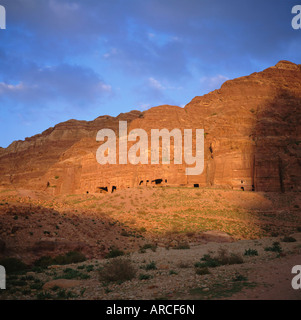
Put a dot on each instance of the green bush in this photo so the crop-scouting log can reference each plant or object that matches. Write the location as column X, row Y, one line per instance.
column 240, row 277
column 114, row 252
column 143, row 276
column 90, row 268
column 70, row 273
column 171, row 272
column 223, row 258
column 251, row 252
column 44, row 262
column 17, row 283
column 68, row 258
column 143, row 249
column 44, row 296
column 288, row 239
column 202, row 271
column 13, row 265
column 36, row 286
column 275, row 247
column 208, row 261
column 62, row 294
column 151, row 266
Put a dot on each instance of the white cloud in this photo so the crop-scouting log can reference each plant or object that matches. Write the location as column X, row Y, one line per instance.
column 105, row 87
column 212, row 83
column 111, row 53
column 61, row 8
column 144, row 106
column 155, row 84
column 4, row 87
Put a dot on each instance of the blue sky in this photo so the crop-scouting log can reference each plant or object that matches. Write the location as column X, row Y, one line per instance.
column 65, row 59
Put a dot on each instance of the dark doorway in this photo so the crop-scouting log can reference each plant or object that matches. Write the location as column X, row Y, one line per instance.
column 196, row 185
column 103, row 189
column 242, row 188
column 114, row 188
column 157, row 181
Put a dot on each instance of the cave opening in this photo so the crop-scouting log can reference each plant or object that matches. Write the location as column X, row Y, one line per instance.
column 157, row 181
column 196, row 185
column 114, row 188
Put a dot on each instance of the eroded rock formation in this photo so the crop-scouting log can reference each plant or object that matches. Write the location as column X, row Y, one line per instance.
column 252, row 137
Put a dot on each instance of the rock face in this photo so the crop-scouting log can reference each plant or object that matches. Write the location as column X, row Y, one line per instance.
column 252, row 137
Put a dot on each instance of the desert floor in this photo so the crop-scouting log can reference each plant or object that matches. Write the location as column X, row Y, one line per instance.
column 174, row 243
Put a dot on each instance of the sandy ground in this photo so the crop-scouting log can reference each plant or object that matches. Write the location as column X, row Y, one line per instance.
column 166, row 219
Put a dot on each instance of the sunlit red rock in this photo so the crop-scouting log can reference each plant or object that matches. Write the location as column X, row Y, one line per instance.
column 252, row 137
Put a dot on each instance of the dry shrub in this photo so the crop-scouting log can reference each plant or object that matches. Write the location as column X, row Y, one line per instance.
column 224, row 257
column 202, row 271
column 117, row 270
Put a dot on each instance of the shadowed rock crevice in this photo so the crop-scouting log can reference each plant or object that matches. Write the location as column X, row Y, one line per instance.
column 277, row 152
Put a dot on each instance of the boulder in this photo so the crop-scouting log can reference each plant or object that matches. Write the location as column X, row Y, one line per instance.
column 216, row 236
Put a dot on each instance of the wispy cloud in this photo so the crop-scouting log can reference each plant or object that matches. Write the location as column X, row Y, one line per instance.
column 155, row 84
column 212, row 83
column 64, row 59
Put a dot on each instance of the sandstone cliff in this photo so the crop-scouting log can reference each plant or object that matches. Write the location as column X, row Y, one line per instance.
column 252, row 137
